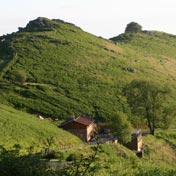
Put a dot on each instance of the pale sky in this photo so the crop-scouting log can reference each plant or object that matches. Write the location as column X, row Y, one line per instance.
column 106, row 18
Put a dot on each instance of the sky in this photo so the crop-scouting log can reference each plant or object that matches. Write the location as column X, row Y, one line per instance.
column 106, row 18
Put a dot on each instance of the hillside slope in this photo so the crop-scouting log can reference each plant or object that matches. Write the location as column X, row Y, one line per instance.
column 64, row 69
column 27, row 130
column 152, row 53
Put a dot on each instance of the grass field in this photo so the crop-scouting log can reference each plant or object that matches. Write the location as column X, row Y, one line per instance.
column 27, row 130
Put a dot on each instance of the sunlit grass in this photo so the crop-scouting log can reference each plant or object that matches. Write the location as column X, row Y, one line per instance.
column 27, row 130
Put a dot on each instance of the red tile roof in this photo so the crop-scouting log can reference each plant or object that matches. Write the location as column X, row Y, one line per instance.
column 84, row 120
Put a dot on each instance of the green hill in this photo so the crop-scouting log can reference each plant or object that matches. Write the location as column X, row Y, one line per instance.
column 27, row 130
column 152, row 53
column 54, row 68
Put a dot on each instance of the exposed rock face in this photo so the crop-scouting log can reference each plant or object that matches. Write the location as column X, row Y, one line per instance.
column 129, row 69
column 40, row 24
column 44, row 24
column 133, row 27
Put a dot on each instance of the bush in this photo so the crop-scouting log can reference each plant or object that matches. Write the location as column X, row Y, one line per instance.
column 18, row 76
column 13, row 164
column 73, row 157
column 50, row 155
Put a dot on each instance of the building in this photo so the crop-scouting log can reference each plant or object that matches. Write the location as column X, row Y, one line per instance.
column 136, row 141
column 82, row 127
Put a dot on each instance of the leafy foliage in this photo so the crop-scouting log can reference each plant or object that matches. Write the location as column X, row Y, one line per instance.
column 121, row 127
column 12, row 164
column 148, row 100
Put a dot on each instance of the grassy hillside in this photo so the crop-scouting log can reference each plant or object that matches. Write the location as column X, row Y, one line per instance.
column 27, row 130
column 114, row 159
column 68, row 70
column 53, row 68
column 152, row 54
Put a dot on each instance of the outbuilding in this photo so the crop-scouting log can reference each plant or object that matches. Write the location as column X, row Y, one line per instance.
column 83, row 127
column 136, row 141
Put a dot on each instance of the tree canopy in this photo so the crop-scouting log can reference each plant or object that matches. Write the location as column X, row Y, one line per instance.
column 150, row 101
column 121, row 127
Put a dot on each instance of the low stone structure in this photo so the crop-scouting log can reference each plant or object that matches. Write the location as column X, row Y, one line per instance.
column 136, row 141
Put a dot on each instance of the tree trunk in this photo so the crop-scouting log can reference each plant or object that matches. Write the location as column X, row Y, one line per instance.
column 151, row 127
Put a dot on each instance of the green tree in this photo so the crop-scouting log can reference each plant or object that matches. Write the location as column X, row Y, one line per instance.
column 150, row 101
column 133, row 27
column 121, row 127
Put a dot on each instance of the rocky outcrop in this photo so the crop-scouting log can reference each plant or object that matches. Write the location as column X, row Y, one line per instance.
column 40, row 24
